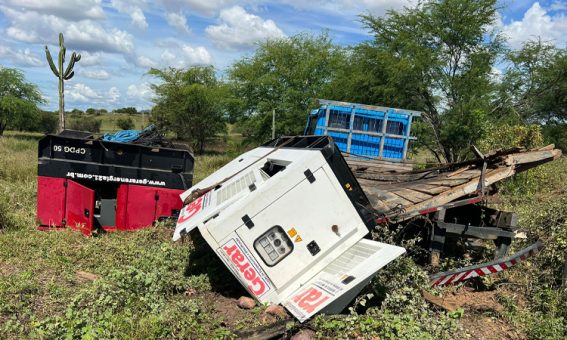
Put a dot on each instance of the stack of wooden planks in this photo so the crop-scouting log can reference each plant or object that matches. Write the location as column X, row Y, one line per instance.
column 398, row 192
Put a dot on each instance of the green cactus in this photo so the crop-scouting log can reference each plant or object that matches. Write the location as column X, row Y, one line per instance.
column 62, row 75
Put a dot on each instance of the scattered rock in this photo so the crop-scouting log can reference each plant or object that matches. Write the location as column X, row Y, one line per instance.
column 304, row 334
column 246, row 302
column 276, row 310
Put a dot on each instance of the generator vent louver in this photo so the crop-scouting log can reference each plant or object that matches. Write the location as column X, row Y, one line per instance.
column 232, row 189
column 350, row 258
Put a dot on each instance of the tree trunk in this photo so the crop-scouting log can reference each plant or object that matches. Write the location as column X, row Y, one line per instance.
column 201, row 145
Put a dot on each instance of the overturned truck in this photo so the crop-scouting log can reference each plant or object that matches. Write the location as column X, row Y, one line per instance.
column 291, row 219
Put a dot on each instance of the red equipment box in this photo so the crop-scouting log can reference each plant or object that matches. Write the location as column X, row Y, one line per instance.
column 85, row 184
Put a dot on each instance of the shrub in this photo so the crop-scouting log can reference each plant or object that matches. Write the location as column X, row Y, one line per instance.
column 89, row 124
column 47, row 122
column 504, row 136
column 125, row 123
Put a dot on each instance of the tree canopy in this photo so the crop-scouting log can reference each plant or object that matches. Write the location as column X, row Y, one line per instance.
column 189, row 103
column 437, row 58
column 18, row 99
column 284, row 75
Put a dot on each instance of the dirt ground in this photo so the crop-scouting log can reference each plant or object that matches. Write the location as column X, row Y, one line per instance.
column 482, row 314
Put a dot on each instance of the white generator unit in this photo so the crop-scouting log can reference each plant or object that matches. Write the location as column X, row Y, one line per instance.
column 289, row 220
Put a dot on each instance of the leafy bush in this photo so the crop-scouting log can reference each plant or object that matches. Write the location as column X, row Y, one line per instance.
column 556, row 134
column 47, row 122
column 504, row 136
column 539, row 198
column 125, row 123
column 89, row 124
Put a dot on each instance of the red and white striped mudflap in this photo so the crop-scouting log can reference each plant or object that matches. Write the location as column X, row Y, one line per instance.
column 483, row 269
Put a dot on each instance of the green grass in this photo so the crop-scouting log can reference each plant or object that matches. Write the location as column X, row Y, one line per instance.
column 142, row 278
column 140, row 292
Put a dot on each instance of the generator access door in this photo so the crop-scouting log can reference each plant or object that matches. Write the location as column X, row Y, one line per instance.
column 79, row 204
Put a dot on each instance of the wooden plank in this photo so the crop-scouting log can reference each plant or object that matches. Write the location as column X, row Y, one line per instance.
column 532, row 157
column 412, row 196
column 460, row 191
column 387, row 198
column 547, row 147
column 459, row 171
column 374, row 163
column 467, row 174
column 427, row 188
column 448, row 182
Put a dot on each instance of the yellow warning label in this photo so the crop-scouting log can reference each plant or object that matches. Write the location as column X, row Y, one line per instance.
column 298, row 239
column 292, row 232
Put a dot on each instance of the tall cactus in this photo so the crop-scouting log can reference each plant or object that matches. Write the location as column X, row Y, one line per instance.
column 62, row 75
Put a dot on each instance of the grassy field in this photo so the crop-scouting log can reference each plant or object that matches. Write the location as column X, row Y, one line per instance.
column 142, row 285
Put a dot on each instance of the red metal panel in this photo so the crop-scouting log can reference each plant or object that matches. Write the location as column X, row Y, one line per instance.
column 121, row 204
column 50, row 201
column 140, row 207
column 168, row 200
column 79, row 207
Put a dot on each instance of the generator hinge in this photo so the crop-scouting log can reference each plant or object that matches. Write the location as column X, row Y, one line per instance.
column 309, row 175
column 247, row 221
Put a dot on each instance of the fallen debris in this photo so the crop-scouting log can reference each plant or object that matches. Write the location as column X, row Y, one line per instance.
column 438, row 301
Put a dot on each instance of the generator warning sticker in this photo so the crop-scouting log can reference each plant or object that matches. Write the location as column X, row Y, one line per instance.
column 311, row 299
column 195, row 208
column 245, row 267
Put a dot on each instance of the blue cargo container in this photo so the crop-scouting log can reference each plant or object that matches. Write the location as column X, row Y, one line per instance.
column 364, row 130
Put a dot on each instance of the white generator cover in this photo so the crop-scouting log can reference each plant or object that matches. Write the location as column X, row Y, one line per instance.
column 289, row 220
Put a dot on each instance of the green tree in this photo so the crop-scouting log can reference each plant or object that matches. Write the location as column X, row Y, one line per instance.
column 128, row 110
column 189, row 103
column 437, row 58
column 18, row 99
column 284, row 75
column 534, row 85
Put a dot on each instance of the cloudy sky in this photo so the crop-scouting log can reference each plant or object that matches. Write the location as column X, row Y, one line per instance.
column 119, row 40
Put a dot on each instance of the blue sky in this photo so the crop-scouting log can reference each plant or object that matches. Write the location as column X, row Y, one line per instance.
column 119, row 40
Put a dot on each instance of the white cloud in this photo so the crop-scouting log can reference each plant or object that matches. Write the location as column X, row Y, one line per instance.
column 169, row 58
column 21, row 57
column 82, row 93
column 240, row 29
column 146, row 62
column 185, row 56
column 95, row 74
column 558, row 6
column 113, row 94
column 142, row 91
column 536, row 23
column 197, row 56
column 134, row 9
column 178, row 21
column 203, row 7
column 375, row 7
column 33, row 27
column 67, row 9
column 90, row 59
